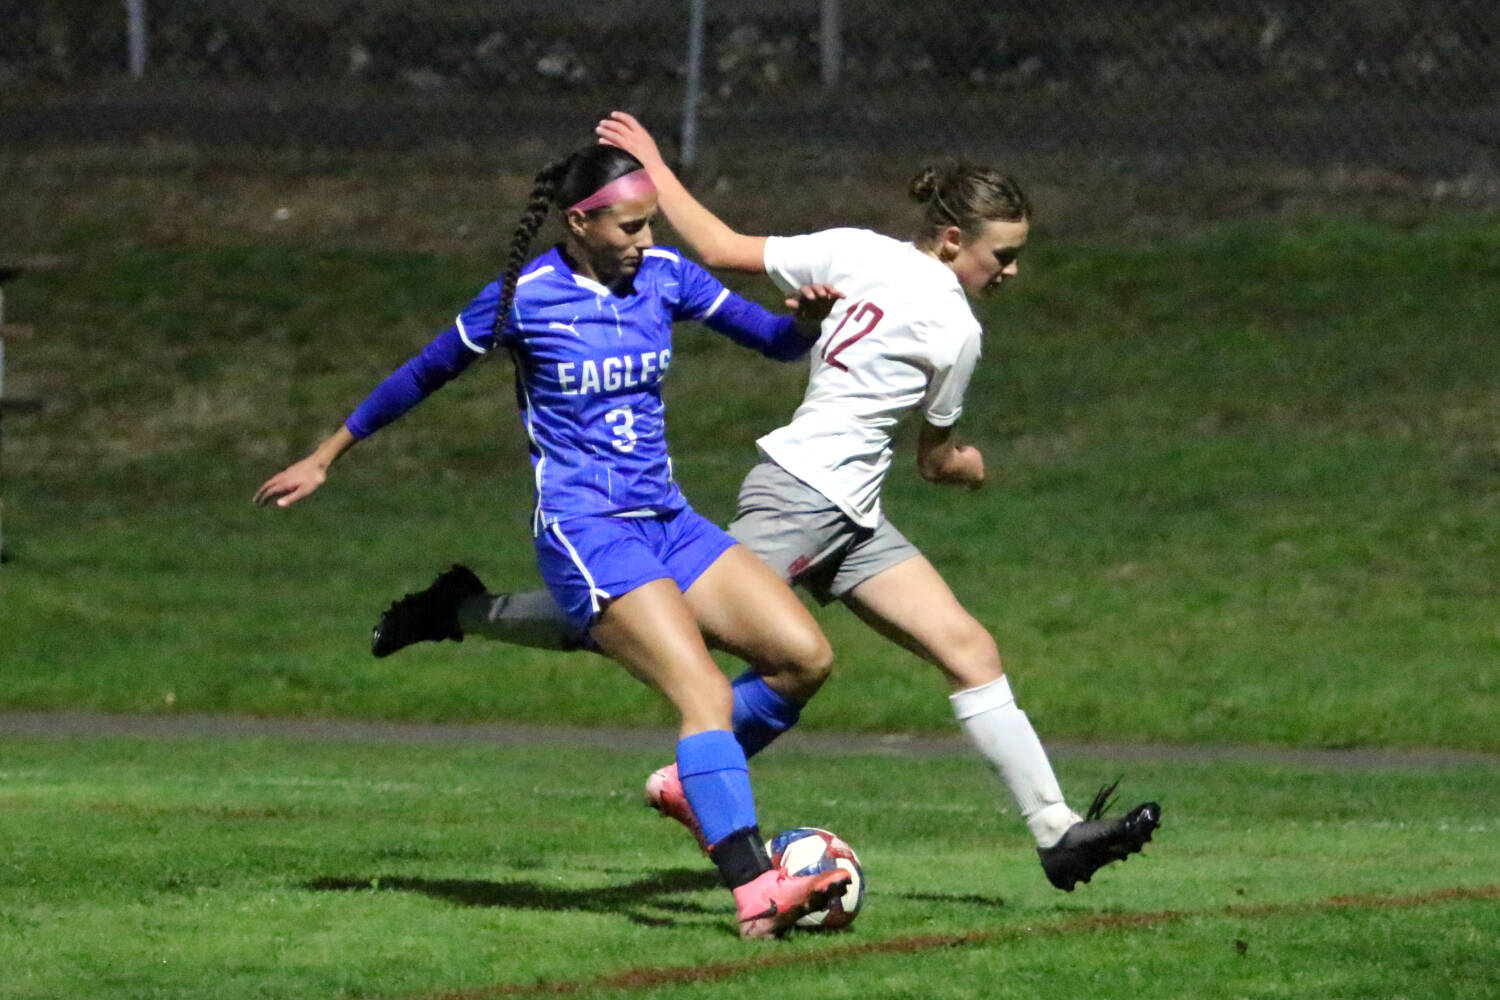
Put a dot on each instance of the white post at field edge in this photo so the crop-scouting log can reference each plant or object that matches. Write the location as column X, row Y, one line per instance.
column 694, row 82
column 135, row 34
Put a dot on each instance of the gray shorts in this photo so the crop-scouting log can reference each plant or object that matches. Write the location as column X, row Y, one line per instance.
column 804, row 537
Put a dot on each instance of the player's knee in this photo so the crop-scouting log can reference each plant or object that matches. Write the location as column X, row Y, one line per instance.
column 969, row 654
column 808, row 660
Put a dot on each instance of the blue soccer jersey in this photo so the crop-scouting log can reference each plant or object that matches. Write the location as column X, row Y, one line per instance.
column 589, row 366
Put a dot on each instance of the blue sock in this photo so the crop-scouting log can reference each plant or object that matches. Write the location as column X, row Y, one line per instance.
column 760, row 714
column 716, row 781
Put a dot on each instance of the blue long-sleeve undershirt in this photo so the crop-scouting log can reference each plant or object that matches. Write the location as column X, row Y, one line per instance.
column 447, row 356
column 750, row 325
column 438, row 364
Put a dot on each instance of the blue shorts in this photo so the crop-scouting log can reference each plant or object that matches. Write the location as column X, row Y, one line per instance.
column 588, row 561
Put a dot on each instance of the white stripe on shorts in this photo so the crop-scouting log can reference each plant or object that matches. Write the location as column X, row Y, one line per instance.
column 594, row 592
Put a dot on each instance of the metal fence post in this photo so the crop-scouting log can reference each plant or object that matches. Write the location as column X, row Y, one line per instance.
column 2, row 417
column 135, row 33
column 696, row 10
column 830, row 43
column 17, row 331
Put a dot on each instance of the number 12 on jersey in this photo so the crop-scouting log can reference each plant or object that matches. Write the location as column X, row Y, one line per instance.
column 865, row 312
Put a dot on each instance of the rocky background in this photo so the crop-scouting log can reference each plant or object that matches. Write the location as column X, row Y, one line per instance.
column 1332, row 48
column 1401, row 88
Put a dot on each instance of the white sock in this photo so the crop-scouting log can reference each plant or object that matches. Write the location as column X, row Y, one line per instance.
column 1001, row 731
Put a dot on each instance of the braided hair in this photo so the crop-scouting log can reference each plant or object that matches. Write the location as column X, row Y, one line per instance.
column 562, row 183
column 965, row 195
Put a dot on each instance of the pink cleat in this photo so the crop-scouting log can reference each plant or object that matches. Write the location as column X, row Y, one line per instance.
column 664, row 794
column 771, row 904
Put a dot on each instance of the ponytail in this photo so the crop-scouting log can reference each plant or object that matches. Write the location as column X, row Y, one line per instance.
column 561, row 182
column 965, row 195
column 543, row 193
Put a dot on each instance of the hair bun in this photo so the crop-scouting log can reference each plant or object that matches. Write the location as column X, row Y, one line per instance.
column 924, row 185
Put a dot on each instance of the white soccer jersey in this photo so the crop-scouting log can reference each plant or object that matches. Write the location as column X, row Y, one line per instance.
column 903, row 338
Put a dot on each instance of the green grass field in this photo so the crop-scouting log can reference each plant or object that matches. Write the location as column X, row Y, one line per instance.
column 1244, row 481
column 292, row 868
column 1243, row 486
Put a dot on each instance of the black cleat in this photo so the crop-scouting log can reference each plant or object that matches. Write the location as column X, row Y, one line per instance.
column 1095, row 842
column 429, row 615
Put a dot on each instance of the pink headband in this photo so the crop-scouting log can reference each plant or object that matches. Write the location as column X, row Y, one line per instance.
column 623, row 188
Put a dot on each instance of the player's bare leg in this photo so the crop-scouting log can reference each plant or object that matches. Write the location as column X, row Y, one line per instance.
column 913, row 606
column 743, row 608
column 652, row 632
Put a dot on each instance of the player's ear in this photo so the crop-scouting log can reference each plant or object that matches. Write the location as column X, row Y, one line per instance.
column 950, row 242
column 577, row 223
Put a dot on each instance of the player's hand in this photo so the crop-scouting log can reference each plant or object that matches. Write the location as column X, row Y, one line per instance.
column 292, row 483
column 813, row 303
column 621, row 129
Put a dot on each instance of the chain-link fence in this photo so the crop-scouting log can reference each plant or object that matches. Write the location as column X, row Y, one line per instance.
column 1164, row 88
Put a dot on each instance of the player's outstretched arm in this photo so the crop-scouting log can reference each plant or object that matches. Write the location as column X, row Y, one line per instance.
column 713, row 239
column 941, row 459
column 438, row 363
column 301, row 478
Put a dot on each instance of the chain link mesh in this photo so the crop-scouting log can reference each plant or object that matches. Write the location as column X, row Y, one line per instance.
column 1397, row 85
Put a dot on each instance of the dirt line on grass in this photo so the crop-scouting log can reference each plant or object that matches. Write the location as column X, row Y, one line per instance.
column 77, row 724
column 659, row 976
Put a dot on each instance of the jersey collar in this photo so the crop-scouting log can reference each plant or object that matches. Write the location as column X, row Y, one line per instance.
column 559, row 260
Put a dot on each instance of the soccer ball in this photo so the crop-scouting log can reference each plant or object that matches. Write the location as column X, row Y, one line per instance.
column 807, row 850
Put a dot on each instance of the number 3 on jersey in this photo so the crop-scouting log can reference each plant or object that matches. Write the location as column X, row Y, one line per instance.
column 864, row 312
column 623, row 420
